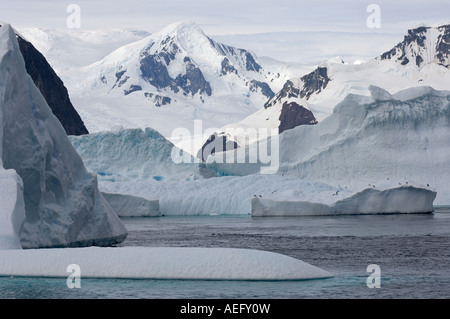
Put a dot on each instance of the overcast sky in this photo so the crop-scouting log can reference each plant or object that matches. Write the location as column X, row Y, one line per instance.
column 299, row 30
column 229, row 16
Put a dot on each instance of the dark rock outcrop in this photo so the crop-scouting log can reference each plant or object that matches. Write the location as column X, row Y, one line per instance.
column 158, row 100
column 51, row 88
column 193, row 81
column 443, row 46
column 263, row 86
column 227, row 67
column 216, row 143
column 293, row 115
column 314, row 82
column 244, row 55
column 154, row 71
column 414, row 46
column 311, row 83
column 133, row 88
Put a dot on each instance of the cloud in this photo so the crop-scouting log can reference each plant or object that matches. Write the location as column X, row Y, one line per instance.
column 228, row 17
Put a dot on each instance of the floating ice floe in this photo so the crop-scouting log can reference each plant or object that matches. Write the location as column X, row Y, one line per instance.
column 158, row 263
column 398, row 200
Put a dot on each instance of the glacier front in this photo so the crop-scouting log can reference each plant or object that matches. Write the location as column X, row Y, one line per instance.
column 63, row 205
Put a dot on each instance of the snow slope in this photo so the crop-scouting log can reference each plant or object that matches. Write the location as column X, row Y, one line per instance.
column 158, row 263
column 421, row 59
column 170, row 78
column 71, row 48
column 62, row 202
column 382, row 138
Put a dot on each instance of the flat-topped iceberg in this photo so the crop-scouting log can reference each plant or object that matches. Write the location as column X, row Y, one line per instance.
column 398, row 200
column 264, row 195
column 158, row 263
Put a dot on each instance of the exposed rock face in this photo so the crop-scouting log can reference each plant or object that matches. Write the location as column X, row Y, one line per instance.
column 133, row 88
column 52, row 88
column 227, row 67
column 216, row 143
column 312, row 83
column 293, row 115
column 154, row 71
column 157, row 100
column 263, row 86
column 421, row 46
column 63, row 205
column 443, row 46
column 288, row 91
column 192, row 81
column 240, row 54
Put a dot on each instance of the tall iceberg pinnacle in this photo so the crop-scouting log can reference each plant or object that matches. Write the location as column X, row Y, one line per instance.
column 63, row 205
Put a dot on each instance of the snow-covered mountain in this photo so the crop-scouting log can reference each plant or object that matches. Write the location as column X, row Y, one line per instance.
column 73, row 48
column 421, row 59
column 178, row 74
column 181, row 59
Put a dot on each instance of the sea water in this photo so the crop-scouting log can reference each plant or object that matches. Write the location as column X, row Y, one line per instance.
column 412, row 253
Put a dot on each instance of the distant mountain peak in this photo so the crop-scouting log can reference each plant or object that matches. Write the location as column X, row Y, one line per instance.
column 181, row 62
column 180, row 27
column 422, row 45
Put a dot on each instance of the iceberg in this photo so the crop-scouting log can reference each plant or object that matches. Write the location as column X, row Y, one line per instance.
column 12, row 209
column 158, row 263
column 132, row 206
column 400, row 138
column 133, row 154
column 398, row 200
column 63, row 205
